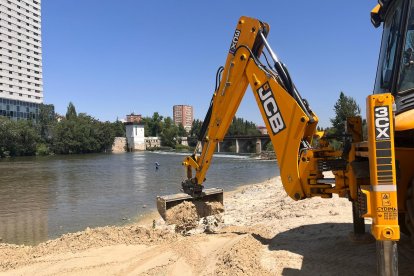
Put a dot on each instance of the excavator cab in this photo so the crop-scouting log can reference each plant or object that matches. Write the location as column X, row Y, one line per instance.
column 395, row 71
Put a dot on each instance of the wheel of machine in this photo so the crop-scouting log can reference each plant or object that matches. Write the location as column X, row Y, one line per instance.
column 409, row 215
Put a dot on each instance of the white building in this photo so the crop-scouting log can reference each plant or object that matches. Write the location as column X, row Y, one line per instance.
column 21, row 85
column 135, row 136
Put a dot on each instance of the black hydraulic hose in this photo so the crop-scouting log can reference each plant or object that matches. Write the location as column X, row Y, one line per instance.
column 206, row 122
column 218, row 77
column 285, row 77
column 292, row 90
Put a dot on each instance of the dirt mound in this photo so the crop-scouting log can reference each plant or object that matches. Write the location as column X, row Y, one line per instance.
column 186, row 215
column 243, row 258
column 12, row 256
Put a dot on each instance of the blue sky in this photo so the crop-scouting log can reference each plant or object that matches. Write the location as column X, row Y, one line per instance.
column 111, row 58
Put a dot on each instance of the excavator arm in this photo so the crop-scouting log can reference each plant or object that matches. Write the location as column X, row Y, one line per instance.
column 290, row 122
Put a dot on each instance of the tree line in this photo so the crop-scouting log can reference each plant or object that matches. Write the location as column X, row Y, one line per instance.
column 170, row 133
column 75, row 133
column 81, row 133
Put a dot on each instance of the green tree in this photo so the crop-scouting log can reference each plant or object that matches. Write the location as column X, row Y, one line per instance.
column 169, row 133
column 196, row 128
column 239, row 126
column 269, row 147
column 118, row 128
column 46, row 121
column 153, row 125
column 105, row 135
column 27, row 138
column 344, row 107
column 17, row 138
column 82, row 134
column 181, row 132
column 71, row 111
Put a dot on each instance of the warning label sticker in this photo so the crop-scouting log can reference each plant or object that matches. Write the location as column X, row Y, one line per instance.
column 386, row 201
column 388, row 213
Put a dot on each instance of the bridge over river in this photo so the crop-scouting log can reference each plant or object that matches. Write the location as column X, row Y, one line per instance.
column 243, row 144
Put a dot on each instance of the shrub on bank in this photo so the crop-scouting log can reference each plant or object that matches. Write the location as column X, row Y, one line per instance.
column 17, row 138
column 181, row 148
column 42, row 149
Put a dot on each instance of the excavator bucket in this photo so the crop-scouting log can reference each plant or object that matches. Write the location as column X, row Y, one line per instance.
column 209, row 203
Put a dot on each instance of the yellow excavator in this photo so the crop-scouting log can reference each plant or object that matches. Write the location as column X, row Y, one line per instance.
column 376, row 175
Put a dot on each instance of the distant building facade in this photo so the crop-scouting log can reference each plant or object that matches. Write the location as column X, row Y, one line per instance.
column 263, row 130
column 21, row 84
column 183, row 114
column 152, row 142
column 134, row 118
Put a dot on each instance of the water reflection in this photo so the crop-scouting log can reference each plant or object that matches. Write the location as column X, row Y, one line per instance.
column 42, row 198
column 24, row 206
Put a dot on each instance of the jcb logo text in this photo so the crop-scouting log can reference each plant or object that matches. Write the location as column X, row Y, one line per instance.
column 271, row 109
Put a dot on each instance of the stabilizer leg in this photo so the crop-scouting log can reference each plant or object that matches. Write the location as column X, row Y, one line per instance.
column 387, row 258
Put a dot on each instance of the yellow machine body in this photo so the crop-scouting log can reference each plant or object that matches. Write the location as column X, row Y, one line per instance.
column 376, row 175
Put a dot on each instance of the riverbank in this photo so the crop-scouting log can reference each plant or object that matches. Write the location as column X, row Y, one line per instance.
column 264, row 233
column 44, row 198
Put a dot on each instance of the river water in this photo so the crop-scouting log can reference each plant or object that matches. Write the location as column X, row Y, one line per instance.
column 45, row 197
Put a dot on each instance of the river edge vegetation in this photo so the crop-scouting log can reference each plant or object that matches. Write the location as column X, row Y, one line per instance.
column 81, row 133
column 74, row 133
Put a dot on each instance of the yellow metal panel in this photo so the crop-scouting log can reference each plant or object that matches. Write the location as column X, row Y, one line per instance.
column 405, row 158
column 404, row 121
column 382, row 196
column 286, row 123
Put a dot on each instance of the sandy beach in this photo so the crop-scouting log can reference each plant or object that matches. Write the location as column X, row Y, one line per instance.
column 264, row 233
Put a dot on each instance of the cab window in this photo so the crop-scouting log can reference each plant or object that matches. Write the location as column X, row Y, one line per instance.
column 406, row 78
column 389, row 44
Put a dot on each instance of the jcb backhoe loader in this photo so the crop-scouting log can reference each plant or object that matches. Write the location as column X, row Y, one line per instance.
column 376, row 175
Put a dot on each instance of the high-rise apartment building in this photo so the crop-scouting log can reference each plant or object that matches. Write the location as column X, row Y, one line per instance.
column 21, row 85
column 183, row 114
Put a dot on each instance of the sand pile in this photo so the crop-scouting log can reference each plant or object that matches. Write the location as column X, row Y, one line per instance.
column 243, row 258
column 265, row 233
column 186, row 215
column 16, row 255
